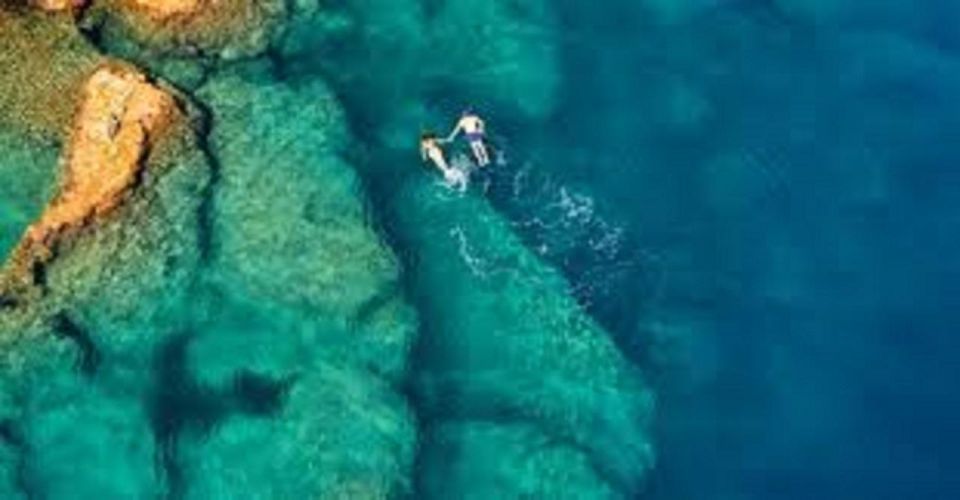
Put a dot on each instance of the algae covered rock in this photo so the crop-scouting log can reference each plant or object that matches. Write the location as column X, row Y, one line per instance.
column 70, row 434
column 228, row 29
column 307, row 409
column 118, row 283
column 110, row 455
column 28, row 175
column 338, row 434
column 45, row 64
column 507, row 461
column 307, row 333
column 507, row 340
column 290, row 224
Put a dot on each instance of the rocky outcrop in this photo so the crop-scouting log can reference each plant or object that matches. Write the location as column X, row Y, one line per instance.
column 119, row 119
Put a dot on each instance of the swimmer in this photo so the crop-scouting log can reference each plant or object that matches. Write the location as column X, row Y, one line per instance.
column 473, row 128
column 430, row 150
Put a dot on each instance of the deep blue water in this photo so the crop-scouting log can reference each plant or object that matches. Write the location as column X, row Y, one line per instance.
column 788, row 174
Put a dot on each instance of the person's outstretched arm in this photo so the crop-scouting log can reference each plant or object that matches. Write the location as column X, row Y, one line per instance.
column 453, row 135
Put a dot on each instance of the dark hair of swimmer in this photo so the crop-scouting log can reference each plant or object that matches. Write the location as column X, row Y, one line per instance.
column 426, row 136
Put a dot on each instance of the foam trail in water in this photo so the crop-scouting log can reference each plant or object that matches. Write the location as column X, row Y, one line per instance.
column 565, row 226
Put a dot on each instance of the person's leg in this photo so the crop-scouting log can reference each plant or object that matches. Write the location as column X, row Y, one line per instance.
column 476, row 153
column 479, row 153
column 440, row 161
column 486, row 153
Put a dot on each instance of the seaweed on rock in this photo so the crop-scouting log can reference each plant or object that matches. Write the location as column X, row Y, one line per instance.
column 45, row 63
column 289, row 225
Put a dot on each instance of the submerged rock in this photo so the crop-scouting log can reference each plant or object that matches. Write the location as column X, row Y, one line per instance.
column 77, row 423
column 307, row 336
column 507, row 361
column 27, row 181
column 279, row 373
column 71, row 435
column 338, row 434
column 227, row 29
column 46, row 63
column 125, row 215
column 290, row 226
column 508, row 345
column 507, row 461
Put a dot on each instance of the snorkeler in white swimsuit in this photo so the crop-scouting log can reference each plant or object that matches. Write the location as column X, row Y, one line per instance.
column 430, row 150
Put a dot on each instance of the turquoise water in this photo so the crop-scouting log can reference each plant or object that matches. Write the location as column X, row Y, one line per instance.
column 711, row 261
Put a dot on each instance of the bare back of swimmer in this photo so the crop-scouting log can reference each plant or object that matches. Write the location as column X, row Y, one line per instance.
column 474, row 129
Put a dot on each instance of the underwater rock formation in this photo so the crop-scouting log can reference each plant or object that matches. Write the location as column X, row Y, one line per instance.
column 339, row 434
column 509, row 346
column 287, row 208
column 229, row 29
column 29, row 171
column 46, row 63
column 112, row 445
column 308, row 305
column 507, row 461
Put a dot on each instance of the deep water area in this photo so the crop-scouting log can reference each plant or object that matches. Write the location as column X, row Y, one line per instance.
column 713, row 257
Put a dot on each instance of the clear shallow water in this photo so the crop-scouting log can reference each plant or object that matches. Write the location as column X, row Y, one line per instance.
column 754, row 200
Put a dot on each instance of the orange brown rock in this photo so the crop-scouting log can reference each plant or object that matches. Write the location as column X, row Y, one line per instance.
column 58, row 5
column 225, row 28
column 118, row 120
column 164, row 9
